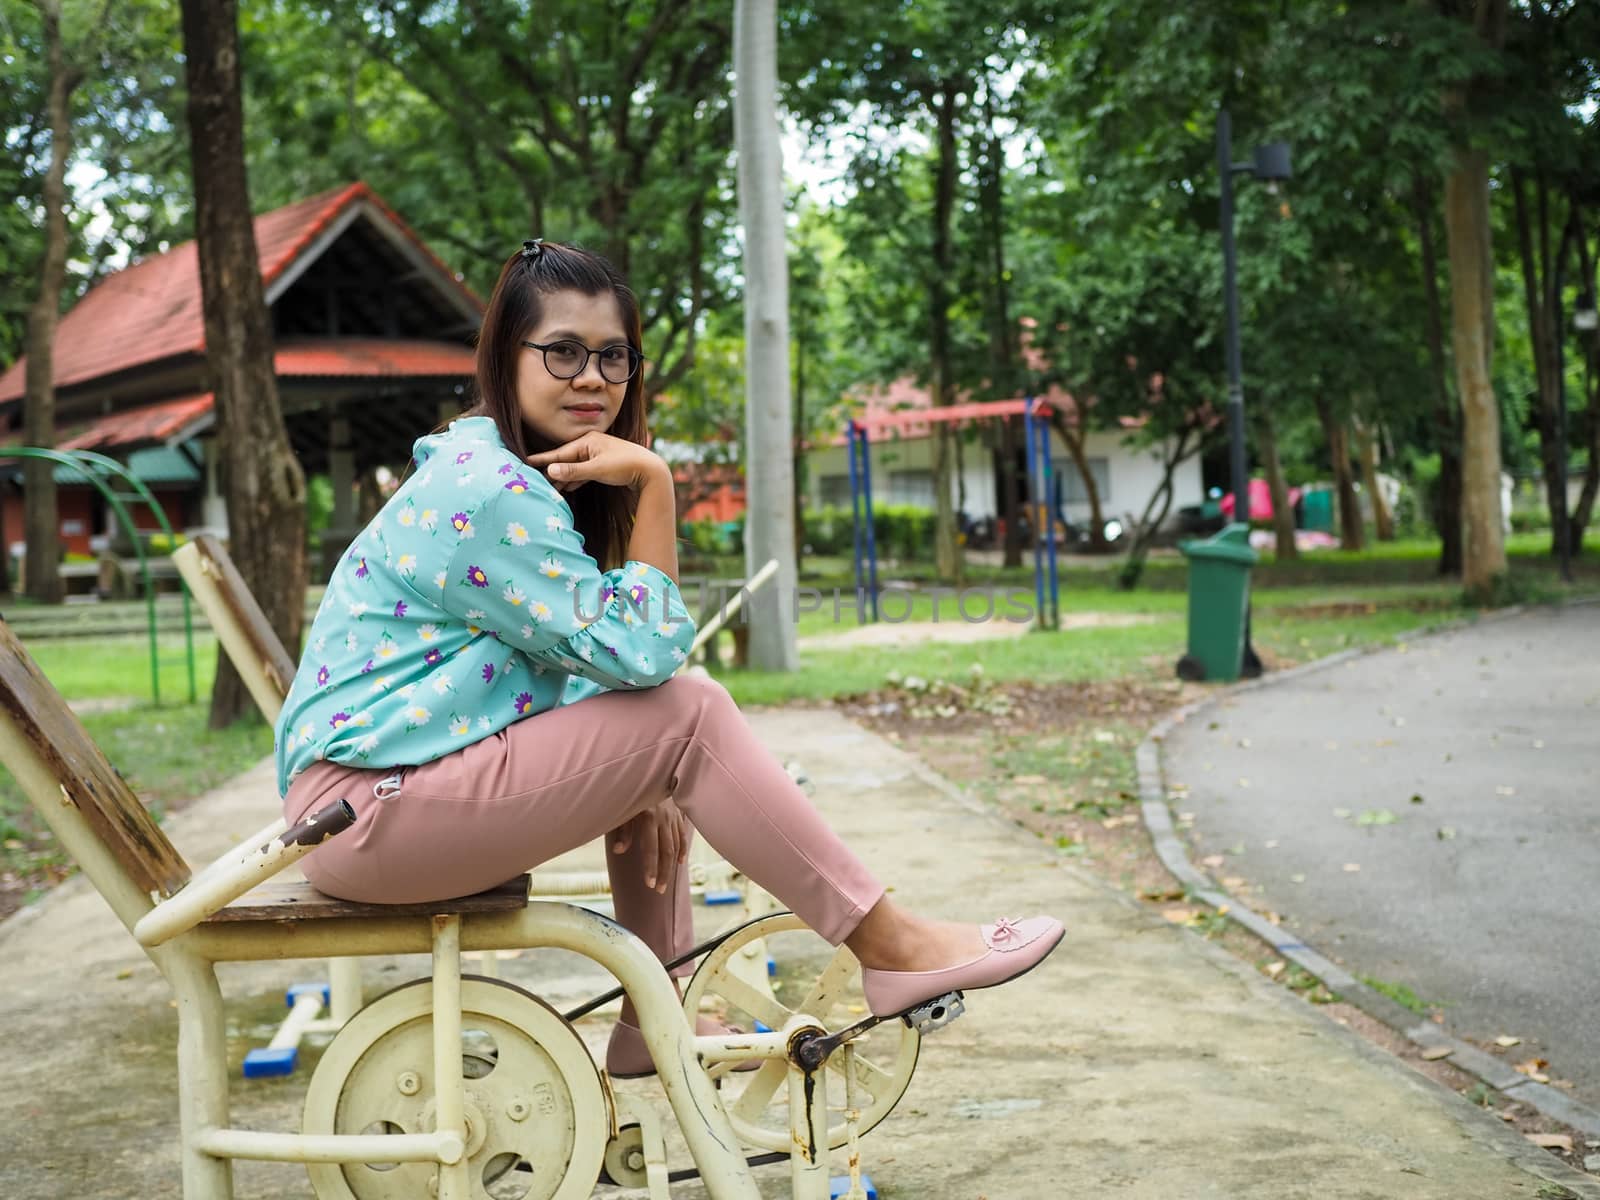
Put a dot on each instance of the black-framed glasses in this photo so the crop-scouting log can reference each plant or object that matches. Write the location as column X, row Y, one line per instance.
column 569, row 358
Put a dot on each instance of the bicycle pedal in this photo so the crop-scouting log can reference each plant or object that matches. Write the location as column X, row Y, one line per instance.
column 936, row 1013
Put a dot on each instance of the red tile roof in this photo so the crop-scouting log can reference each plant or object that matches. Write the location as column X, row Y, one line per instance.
column 151, row 310
column 137, row 426
column 372, row 356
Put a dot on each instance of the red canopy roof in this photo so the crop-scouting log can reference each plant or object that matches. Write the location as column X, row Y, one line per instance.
column 151, row 310
column 177, row 420
column 137, row 426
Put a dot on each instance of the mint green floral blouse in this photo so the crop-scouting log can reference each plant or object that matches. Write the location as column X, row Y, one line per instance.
column 469, row 603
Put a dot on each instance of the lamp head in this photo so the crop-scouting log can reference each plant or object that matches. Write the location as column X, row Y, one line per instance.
column 1272, row 162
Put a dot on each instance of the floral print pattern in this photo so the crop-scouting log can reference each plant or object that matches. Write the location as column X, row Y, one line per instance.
column 380, row 685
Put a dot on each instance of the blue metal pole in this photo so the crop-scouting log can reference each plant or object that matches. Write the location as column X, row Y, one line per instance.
column 1049, row 489
column 872, row 537
column 857, row 542
column 1030, row 445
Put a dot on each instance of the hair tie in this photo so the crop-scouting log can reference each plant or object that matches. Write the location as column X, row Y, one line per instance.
column 532, row 249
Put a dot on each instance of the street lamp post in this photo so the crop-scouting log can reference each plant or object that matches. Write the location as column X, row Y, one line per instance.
column 1269, row 163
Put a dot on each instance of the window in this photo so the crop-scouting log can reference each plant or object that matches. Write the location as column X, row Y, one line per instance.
column 834, row 491
column 911, row 487
column 1072, row 480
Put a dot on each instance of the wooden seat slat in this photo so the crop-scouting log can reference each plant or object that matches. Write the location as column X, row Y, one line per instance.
column 86, row 777
column 297, row 900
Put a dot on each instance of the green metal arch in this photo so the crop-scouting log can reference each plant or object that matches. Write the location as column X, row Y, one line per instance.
column 95, row 468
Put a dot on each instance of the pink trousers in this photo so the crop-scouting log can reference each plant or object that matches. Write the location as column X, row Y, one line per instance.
column 552, row 782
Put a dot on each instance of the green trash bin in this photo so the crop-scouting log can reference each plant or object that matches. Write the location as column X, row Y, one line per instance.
column 1219, row 604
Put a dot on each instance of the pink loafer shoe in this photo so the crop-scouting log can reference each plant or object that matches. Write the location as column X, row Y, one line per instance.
column 627, row 1057
column 1015, row 948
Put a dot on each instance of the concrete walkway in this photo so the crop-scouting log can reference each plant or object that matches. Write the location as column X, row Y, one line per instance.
column 1427, row 816
column 1139, row 1061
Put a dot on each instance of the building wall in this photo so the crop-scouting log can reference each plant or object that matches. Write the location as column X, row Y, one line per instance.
column 902, row 471
column 75, row 510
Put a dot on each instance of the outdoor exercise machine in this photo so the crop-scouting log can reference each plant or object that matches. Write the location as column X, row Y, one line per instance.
column 267, row 671
column 102, row 472
column 402, row 1103
column 1035, row 415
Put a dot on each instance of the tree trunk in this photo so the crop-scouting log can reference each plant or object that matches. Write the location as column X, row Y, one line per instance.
column 1471, row 252
column 1155, row 511
column 41, row 516
column 264, row 486
column 769, row 527
column 1540, row 276
column 946, row 545
column 1446, row 512
column 1587, row 426
column 1074, row 439
column 1367, row 452
column 1010, row 493
column 1350, row 532
column 1282, row 513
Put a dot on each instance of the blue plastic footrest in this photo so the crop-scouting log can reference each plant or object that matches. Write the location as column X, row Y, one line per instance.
column 772, row 966
column 724, row 896
column 268, row 1061
column 840, row 1184
column 298, row 989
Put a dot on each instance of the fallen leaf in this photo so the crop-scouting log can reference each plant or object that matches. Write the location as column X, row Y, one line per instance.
column 1434, row 1053
column 1551, row 1141
column 1377, row 816
column 1505, row 1039
column 1028, row 779
column 1341, row 813
column 1446, row 832
column 1534, row 1069
column 1504, row 790
column 1352, row 866
column 1232, row 881
column 1272, row 845
column 13, row 844
column 1244, row 783
column 1297, row 878
column 1416, row 799
column 1183, row 816
column 1244, row 743
column 1104, row 736
column 1161, row 894
column 1538, row 743
column 1179, row 915
column 1212, row 860
column 1274, row 969
column 125, row 973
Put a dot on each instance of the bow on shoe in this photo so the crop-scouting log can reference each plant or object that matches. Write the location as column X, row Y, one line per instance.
column 1005, row 929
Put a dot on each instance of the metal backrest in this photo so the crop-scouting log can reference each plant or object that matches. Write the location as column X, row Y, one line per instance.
column 46, row 747
column 239, row 623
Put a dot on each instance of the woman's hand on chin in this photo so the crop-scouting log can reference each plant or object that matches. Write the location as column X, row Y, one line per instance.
column 600, row 458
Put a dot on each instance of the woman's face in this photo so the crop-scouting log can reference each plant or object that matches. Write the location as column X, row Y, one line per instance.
column 562, row 410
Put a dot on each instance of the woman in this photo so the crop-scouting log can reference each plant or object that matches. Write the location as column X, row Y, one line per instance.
column 490, row 677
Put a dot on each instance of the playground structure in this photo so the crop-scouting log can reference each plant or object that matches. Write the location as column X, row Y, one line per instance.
column 102, row 472
column 1041, row 491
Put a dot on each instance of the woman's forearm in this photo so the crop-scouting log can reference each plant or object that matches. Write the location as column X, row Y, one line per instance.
column 655, row 525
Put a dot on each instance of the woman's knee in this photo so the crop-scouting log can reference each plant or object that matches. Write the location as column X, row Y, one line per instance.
column 693, row 689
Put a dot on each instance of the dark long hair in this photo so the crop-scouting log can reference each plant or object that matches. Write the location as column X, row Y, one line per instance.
column 604, row 515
